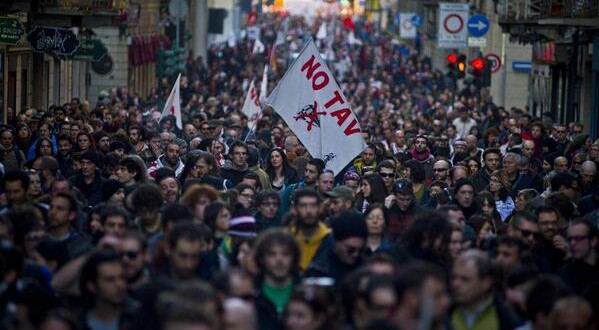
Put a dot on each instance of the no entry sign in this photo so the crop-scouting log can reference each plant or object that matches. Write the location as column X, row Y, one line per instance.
column 452, row 25
column 494, row 58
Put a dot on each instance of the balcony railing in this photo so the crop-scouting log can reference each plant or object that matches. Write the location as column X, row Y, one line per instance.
column 518, row 10
column 84, row 5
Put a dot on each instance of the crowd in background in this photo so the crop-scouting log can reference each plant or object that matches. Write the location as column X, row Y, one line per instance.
column 459, row 213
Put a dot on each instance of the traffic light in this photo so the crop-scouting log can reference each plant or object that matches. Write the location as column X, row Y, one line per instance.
column 478, row 65
column 486, row 75
column 171, row 61
column 461, row 66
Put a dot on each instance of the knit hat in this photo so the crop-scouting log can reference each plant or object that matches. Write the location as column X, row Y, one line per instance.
column 242, row 225
column 99, row 135
column 93, row 157
column 351, row 175
column 109, row 188
column 349, row 224
column 114, row 145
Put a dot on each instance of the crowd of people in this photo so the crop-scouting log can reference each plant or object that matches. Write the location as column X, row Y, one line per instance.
column 459, row 214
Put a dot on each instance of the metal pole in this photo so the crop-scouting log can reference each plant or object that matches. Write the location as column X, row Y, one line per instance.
column 178, row 26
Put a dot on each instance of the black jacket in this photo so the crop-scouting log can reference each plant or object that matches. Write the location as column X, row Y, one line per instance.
column 327, row 264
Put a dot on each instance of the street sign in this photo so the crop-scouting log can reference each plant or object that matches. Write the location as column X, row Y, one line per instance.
column 90, row 50
column 452, row 25
column 417, row 20
column 496, row 62
column 477, row 42
column 11, row 31
column 177, row 8
column 521, row 66
column 53, row 41
column 407, row 29
column 478, row 25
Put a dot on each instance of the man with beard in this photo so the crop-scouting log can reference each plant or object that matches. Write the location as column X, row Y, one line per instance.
column 308, row 230
column 170, row 160
column 314, row 168
column 102, row 142
column 582, row 271
column 551, row 245
column 277, row 256
column 136, row 137
column 65, row 155
column 367, row 161
column 481, row 178
column 422, row 154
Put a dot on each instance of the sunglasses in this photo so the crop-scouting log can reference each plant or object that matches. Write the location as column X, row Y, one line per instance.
column 130, row 254
column 387, row 175
column 528, row 233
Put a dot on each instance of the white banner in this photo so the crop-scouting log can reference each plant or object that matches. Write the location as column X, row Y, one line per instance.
column 258, row 47
column 311, row 102
column 453, row 32
column 264, row 85
column 407, row 30
column 251, row 106
column 172, row 107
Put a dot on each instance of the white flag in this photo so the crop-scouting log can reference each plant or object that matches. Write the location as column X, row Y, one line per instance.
column 322, row 31
column 311, row 102
column 251, row 106
column 264, row 85
column 258, row 47
column 172, row 107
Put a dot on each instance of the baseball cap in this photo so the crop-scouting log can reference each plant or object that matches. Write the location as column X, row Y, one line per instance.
column 341, row 191
column 403, row 187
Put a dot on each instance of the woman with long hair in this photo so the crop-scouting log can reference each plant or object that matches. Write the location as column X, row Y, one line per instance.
column 376, row 222
column 279, row 170
column 23, row 137
column 483, row 227
column 417, row 175
column 487, row 202
column 372, row 190
column 217, row 216
column 500, row 187
column 44, row 132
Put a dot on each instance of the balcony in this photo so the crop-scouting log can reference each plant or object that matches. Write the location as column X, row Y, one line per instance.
column 83, row 7
column 549, row 12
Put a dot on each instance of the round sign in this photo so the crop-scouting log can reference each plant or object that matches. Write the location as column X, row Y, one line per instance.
column 103, row 66
column 407, row 25
column 177, row 8
column 453, row 23
column 496, row 62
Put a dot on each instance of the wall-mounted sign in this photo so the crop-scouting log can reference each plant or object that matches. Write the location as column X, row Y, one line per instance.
column 90, row 50
column 11, row 31
column 53, row 41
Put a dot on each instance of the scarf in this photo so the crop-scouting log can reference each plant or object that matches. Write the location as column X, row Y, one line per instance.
column 421, row 157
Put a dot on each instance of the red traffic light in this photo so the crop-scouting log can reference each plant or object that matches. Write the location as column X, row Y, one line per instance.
column 452, row 58
column 478, row 63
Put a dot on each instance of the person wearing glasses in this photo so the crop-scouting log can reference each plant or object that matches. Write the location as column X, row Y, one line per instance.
column 524, row 225
column 560, row 135
column 386, row 169
column 349, row 234
column 582, row 271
